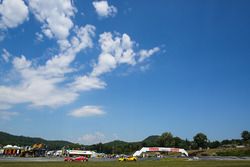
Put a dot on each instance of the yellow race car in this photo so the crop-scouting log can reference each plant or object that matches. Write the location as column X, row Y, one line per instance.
column 127, row 159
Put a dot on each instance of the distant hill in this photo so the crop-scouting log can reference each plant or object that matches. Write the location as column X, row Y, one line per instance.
column 151, row 140
column 6, row 138
column 116, row 143
column 123, row 147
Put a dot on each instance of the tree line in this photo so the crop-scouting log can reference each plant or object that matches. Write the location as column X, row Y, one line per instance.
column 200, row 141
column 166, row 139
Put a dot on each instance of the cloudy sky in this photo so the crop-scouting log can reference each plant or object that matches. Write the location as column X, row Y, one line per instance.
column 95, row 71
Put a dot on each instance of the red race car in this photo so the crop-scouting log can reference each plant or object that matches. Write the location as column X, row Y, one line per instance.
column 80, row 158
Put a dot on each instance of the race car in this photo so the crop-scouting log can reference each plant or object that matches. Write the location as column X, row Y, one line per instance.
column 127, row 159
column 80, row 158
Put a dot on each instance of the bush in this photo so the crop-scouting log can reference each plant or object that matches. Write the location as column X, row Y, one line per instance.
column 239, row 153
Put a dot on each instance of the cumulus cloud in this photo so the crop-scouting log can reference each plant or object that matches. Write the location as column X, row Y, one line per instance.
column 50, row 84
column 60, row 64
column 55, row 16
column 4, row 106
column 43, row 85
column 106, row 63
column 86, row 83
column 117, row 50
column 35, row 88
column 6, row 115
column 12, row 13
column 94, row 138
column 39, row 36
column 144, row 68
column 114, row 51
column 103, row 9
column 144, row 54
column 41, row 92
column 6, row 55
column 87, row 111
column 21, row 63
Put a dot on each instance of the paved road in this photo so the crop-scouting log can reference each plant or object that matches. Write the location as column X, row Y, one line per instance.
column 46, row 159
column 58, row 159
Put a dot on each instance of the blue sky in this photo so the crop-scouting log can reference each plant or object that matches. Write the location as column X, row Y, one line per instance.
column 95, row 71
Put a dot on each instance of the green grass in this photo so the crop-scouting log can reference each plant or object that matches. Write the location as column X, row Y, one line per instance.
column 240, row 152
column 131, row 164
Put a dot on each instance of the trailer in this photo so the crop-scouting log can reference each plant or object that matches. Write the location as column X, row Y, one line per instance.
column 84, row 153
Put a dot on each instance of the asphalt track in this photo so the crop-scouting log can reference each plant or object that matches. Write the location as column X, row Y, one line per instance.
column 58, row 159
column 45, row 159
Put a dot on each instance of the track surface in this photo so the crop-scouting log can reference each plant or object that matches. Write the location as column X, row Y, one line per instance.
column 58, row 159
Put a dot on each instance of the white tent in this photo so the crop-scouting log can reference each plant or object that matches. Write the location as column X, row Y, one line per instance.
column 11, row 147
column 8, row 146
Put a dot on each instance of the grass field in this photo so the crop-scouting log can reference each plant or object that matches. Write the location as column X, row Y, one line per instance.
column 239, row 152
column 171, row 163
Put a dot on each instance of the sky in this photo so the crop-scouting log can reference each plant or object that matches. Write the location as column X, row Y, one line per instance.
column 97, row 71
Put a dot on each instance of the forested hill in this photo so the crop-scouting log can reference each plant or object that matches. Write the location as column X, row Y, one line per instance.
column 6, row 138
column 166, row 139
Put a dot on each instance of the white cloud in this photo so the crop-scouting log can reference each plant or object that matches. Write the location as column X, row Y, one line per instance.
column 2, row 36
column 106, row 63
column 144, row 68
column 6, row 55
column 39, row 36
column 46, row 85
column 144, row 54
column 21, row 63
column 94, row 138
column 12, row 13
column 36, row 89
column 55, row 16
column 4, row 106
column 86, row 83
column 115, row 50
column 87, row 111
column 103, row 9
column 60, row 64
column 6, row 115
column 83, row 37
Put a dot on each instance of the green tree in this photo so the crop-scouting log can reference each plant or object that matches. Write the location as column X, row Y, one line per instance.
column 177, row 142
column 214, row 144
column 245, row 136
column 166, row 140
column 201, row 140
column 182, row 143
